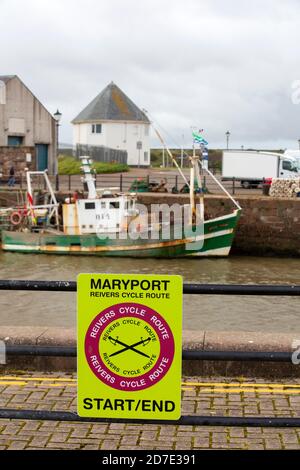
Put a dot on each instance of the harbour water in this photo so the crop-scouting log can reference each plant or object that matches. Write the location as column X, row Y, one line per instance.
column 265, row 314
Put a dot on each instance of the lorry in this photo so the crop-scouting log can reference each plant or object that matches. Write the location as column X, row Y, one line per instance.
column 252, row 168
column 295, row 154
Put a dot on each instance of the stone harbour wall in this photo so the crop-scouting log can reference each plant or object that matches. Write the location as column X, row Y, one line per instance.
column 268, row 226
column 16, row 156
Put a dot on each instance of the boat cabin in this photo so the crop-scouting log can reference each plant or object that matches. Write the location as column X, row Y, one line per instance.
column 107, row 214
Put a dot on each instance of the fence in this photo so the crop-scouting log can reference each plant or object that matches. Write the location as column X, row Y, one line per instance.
column 203, row 289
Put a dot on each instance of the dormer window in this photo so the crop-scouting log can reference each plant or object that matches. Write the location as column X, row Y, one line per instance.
column 96, row 128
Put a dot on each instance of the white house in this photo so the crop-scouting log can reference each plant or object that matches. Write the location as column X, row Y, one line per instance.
column 112, row 125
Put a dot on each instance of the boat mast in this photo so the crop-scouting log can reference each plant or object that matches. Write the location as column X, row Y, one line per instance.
column 53, row 204
column 199, row 182
column 88, row 178
column 194, row 173
column 171, row 155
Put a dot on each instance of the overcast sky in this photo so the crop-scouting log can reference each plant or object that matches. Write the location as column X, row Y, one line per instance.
column 215, row 64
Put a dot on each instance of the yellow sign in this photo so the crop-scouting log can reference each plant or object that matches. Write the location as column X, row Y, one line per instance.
column 129, row 346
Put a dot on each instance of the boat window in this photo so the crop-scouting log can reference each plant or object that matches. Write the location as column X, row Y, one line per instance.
column 91, row 226
column 75, row 244
column 103, row 204
column 115, row 204
column 90, row 205
column 83, row 226
column 50, row 243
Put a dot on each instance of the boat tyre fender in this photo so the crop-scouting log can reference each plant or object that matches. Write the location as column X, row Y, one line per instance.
column 15, row 218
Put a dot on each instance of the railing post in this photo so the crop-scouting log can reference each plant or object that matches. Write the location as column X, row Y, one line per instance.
column 233, row 186
column 69, row 182
column 176, row 183
column 121, row 182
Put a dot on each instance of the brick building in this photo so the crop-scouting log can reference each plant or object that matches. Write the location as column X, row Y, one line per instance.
column 27, row 130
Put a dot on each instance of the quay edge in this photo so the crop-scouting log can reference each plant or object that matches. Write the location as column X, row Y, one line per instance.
column 192, row 340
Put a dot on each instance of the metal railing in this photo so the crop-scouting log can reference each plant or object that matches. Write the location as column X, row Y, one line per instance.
column 123, row 182
column 204, row 289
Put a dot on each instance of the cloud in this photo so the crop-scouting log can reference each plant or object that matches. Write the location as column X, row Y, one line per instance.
column 219, row 65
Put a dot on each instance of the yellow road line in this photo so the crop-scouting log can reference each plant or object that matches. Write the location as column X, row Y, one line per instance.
column 44, row 379
column 204, row 387
column 19, row 383
column 249, row 390
column 222, row 384
column 189, row 384
column 12, row 383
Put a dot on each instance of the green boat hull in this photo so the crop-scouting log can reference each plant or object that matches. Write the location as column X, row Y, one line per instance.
column 214, row 238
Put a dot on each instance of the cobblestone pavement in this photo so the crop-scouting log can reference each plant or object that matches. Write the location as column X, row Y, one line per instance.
column 217, row 396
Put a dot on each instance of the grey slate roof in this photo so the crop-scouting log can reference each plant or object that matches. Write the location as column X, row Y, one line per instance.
column 111, row 105
column 6, row 78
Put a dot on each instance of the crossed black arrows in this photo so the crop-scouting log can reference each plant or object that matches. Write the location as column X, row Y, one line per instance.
column 132, row 347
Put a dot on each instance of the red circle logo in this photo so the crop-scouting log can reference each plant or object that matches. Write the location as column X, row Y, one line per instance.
column 129, row 347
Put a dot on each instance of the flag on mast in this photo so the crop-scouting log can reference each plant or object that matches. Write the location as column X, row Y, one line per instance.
column 198, row 139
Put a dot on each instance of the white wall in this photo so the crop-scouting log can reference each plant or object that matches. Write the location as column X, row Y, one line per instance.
column 117, row 135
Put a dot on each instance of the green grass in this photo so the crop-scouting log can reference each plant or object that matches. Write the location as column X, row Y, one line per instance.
column 70, row 166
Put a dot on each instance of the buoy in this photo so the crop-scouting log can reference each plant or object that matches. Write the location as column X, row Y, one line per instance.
column 15, row 218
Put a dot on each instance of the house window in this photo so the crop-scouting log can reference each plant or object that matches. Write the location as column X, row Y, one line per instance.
column 90, row 205
column 96, row 128
column 14, row 140
column 145, row 157
column 146, row 130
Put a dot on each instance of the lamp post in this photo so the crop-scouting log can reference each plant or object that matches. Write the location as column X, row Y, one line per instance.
column 299, row 143
column 57, row 117
column 227, row 139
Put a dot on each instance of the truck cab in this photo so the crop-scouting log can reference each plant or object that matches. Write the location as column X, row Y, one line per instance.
column 288, row 167
column 294, row 154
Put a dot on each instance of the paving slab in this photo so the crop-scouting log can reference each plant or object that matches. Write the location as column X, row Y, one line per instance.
column 217, row 396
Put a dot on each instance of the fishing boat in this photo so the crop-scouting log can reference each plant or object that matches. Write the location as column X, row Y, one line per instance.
column 110, row 223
